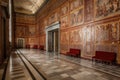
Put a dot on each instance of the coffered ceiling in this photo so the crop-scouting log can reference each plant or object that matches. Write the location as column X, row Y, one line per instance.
column 27, row 6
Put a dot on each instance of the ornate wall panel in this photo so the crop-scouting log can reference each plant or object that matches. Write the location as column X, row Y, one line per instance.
column 64, row 9
column 114, row 31
column 53, row 17
column 64, row 41
column 108, row 39
column 91, row 32
column 31, row 30
column 76, row 39
column 76, row 17
column 64, row 22
column 104, row 29
column 76, row 4
column 25, row 28
column 88, row 10
column 106, row 8
column 110, row 31
column 20, row 31
column 88, row 41
column 89, row 25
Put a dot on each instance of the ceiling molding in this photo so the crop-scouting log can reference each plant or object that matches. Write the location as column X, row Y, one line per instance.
column 29, row 7
column 42, row 6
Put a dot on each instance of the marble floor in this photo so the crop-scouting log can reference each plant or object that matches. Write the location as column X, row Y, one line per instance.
column 2, row 68
column 34, row 64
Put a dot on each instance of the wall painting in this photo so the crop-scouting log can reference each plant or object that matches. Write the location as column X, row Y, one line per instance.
column 106, row 8
column 76, row 17
column 64, row 22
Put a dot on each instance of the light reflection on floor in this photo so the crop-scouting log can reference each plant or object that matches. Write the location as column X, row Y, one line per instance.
column 60, row 67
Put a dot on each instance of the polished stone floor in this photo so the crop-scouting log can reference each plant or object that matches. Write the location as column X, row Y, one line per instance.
column 2, row 67
column 40, row 65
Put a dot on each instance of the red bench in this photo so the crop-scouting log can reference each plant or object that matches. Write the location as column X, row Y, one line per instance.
column 35, row 47
column 74, row 52
column 105, row 56
column 27, row 46
column 41, row 47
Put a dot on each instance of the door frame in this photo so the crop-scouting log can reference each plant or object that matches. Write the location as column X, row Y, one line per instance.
column 52, row 27
column 23, row 42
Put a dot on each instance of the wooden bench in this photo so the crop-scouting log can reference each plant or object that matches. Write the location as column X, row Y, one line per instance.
column 103, row 56
column 74, row 52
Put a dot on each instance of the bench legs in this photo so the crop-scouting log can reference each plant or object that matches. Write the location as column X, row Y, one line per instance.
column 101, row 61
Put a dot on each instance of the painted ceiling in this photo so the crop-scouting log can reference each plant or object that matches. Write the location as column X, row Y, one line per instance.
column 27, row 6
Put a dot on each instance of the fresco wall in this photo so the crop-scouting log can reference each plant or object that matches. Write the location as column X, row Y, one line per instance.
column 89, row 25
column 25, row 27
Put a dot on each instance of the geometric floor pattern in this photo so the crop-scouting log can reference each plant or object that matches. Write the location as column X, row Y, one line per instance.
column 61, row 67
column 16, row 69
column 107, row 68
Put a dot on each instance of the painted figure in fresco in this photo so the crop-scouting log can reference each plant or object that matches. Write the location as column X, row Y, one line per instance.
column 76, row 4
column 115, row 5
column 20, row 31
column 98, row 33
column 111, row 8
column 113, row 31
column 88, row 10
column 64, row 22
column 72, row 37
column 118, row 5
column 31, row 30
column 105, row 32
column 107, row 7
column 64, row 10
column 98, row 9
column 104, row 29
column 104, row 10
column 79, row 17
column 76, row 36
column 73, row 19
column 80, row 35
column 88, row 33
column 71, row 6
